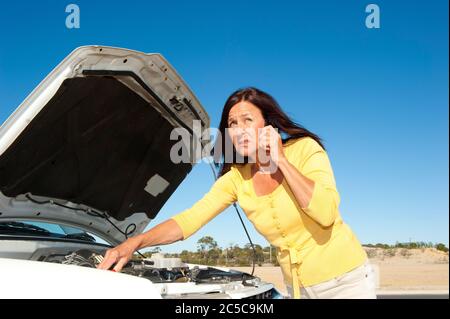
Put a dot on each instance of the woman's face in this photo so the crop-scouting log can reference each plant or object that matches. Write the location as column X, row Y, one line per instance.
column 244, row 120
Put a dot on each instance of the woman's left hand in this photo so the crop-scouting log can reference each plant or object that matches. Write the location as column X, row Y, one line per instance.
column 270, row 141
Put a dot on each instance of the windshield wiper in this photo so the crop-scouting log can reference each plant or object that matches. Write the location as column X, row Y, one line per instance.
column 22, row 228
column 19, row 228
column 80, row 236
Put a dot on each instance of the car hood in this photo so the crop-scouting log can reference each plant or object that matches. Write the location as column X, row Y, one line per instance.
column 90, row 146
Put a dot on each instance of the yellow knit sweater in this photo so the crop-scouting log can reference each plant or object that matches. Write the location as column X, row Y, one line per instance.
column 313, row 243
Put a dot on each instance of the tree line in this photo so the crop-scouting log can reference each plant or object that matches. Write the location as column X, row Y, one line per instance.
column 411, row 245
column 209, row 253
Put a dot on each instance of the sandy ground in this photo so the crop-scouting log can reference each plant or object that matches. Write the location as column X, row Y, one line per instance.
column 398, row 269
column 411, row 269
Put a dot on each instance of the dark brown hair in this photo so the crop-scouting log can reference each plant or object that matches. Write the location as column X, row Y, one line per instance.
column 273, row 115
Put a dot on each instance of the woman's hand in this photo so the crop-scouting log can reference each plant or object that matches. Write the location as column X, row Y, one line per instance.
column 270, row 141
column 162, row 234
column 120, row 255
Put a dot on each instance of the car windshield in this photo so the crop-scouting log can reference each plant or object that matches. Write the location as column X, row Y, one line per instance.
column 32, row 228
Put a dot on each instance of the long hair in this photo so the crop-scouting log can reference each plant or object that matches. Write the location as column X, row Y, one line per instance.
column 273, row 115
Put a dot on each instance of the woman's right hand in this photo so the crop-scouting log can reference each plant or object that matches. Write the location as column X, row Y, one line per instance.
column 162, row 234
column 119, row 255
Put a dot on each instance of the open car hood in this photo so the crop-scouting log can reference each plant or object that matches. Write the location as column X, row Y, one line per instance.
column 93, row 141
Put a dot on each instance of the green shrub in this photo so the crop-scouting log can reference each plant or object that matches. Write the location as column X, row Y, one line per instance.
column 442, row 247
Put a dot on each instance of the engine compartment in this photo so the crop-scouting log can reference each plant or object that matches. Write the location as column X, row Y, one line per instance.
column 158, row 269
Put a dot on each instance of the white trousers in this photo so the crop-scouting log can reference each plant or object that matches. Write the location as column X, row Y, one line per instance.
column 359, row 283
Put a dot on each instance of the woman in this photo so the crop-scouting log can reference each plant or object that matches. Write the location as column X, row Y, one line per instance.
column 287, row 189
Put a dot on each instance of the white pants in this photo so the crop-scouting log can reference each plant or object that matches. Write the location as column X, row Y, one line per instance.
column 358, row 283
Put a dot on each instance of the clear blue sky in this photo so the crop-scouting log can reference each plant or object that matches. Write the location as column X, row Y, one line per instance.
column 378, row 97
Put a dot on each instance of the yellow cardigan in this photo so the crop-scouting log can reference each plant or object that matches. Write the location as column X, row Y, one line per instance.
column 313, row 243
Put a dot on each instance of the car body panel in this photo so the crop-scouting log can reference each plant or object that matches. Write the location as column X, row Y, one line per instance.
column 27, row 279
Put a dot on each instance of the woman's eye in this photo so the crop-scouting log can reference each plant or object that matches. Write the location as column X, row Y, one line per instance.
column 248, row 119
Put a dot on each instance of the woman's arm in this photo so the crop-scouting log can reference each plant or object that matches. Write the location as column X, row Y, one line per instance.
column 221, row 195
column 162, row 234
column 311, row 180
column 180, row 226
column 309, row 175
column 301, row 186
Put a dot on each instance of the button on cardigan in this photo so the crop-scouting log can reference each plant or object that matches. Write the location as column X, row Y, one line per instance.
column 313, row 243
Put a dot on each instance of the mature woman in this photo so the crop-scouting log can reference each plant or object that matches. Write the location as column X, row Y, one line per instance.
column 289, row 195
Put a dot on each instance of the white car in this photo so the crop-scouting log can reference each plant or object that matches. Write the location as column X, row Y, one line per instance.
column 84, row 163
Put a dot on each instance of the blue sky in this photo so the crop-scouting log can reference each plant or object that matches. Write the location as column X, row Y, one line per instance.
column 378, row 97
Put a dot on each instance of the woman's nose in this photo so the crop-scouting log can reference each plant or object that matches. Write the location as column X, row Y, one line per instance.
column 244, row 125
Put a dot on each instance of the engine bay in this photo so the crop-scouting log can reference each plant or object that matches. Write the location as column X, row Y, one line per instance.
column 158, row 269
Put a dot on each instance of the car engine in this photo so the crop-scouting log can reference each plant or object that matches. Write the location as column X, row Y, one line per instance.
column 158, row 269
